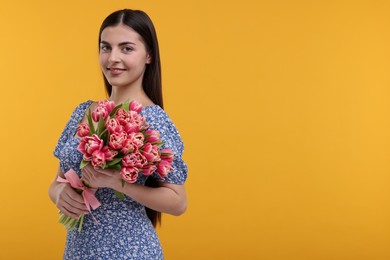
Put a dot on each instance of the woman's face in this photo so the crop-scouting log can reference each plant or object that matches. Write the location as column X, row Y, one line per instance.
column 123, row 56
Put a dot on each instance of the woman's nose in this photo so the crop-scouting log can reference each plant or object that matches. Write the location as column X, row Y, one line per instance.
column 114, row 56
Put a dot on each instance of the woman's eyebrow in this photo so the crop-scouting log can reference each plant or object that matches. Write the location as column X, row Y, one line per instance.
column 120, row 44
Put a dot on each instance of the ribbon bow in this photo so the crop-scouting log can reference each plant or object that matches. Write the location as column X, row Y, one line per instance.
column 88, row 194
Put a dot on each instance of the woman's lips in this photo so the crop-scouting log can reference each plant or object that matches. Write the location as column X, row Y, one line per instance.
column 115, row 71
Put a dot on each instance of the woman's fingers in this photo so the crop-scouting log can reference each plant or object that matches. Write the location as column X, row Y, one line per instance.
column 107, row 172
column 70, row 202
column 88, row 179
column 69, row 213
column 76, row 201
column 91, row 170
column 98, row 178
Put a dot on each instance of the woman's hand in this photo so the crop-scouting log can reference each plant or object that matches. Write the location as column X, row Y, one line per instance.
column 98, row 178
column 66, row 199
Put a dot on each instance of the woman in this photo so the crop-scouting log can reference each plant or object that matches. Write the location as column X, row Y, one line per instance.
column 130, row 62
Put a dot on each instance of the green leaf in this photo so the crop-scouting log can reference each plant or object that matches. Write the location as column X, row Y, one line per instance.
column 100, row 126
column 116, row 167
column 120, row 195
column 114, row 161
column 102, row 135
column 105, row 136
column 90, row 122
column 83, row 164
column 126, row 105
column 81, row 223
column 114, row 110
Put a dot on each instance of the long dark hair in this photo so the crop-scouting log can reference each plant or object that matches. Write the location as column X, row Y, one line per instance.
column 140, row 22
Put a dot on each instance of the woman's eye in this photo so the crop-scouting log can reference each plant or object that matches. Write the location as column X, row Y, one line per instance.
column 105, row 48
column 127, row 49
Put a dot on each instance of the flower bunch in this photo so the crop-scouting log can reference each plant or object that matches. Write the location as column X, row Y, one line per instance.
column 116, row 137
column 119, row 138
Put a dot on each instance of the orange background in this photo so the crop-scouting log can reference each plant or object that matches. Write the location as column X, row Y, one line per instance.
column 283, row 107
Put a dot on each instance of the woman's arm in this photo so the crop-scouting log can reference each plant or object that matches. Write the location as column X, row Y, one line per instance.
column 66, row 199
column 168, row 198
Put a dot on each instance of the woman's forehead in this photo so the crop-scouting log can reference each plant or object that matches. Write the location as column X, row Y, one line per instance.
column 120, row 33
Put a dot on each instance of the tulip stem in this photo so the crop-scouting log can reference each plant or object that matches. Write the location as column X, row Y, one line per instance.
column 81, row 223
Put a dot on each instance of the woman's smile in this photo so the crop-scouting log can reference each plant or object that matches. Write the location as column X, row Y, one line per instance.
column 116, row 71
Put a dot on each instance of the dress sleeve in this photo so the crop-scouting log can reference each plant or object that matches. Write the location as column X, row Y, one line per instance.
column 69, row 129
column 172, row 140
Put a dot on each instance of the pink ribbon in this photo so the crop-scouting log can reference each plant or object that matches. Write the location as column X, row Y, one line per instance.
column 88, row 194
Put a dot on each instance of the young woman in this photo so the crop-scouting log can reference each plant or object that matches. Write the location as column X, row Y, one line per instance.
column 130, row 62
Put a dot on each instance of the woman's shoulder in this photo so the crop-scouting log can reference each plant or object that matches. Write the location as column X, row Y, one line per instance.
column 79, row 111
column 154, row 114
column 85, row 105
column 159, row 120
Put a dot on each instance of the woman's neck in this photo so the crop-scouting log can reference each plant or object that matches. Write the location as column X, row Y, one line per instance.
column 121, row 94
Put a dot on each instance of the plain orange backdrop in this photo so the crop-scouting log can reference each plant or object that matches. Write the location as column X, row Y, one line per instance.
column 283, row 107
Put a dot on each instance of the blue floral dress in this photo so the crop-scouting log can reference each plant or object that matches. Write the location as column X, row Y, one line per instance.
column 123, row 230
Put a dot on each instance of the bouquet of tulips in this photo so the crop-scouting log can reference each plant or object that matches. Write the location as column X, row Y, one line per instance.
column 119, row 138
column 122, row 141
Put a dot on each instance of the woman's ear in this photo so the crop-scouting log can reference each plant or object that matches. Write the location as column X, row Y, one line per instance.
column 148, row 59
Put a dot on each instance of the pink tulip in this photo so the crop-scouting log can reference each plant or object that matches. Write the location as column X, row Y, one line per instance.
column 131, row 127
column 113, row 126
column 163, row 168
column 128, row 147
column 109, row 153
column 147, row 147
column 167, row 155
column 134, row 160
column 134, row 106
column 116, row 140
column 94, row 144
column 100, row 111
column 122, row 116
column 87, row 157
column 98, row 159
column 139, row 120
column 137, row 139
column 152, row 136
column 148, row 169
column 109, row 105
column 89, row 144
column 129, row 174
column 151, row 152
column 83, row 130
